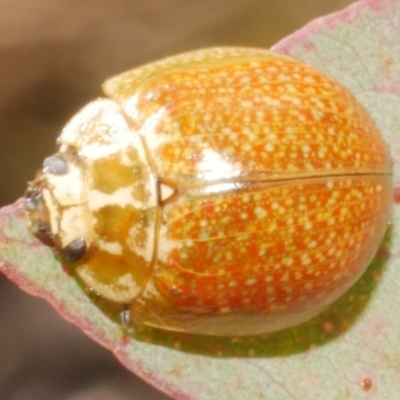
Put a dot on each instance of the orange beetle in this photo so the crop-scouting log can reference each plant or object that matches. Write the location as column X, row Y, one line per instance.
column 226, row 191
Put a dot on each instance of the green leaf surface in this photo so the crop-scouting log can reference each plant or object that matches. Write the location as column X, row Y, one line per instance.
column 351, row 351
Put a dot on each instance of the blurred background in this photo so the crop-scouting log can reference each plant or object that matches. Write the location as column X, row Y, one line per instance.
column 54, row 55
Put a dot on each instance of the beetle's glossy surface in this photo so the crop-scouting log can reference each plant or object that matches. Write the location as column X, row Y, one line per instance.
column 225, row 191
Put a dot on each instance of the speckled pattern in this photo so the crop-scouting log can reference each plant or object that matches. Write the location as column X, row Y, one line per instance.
column 246, row 114
column 283, row 185
column 226, row 191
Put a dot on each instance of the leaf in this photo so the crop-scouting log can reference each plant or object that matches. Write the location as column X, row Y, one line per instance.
column 352, row 350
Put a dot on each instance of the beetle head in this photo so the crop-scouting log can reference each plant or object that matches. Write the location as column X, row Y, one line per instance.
column 54, row 204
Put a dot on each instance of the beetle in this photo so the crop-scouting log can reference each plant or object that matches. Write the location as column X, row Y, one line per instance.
column 224, row 191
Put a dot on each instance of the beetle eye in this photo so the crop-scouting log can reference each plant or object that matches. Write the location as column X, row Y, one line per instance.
column 74, row 252
column 55, row 165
